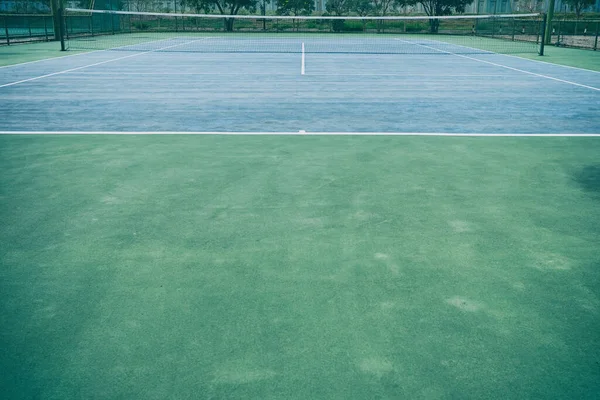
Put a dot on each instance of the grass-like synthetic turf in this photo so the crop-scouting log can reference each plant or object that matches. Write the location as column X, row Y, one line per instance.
column 299, row 267
column 570, row 57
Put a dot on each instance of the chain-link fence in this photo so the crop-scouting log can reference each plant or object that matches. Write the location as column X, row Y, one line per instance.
column 575, row 33
column 26, row 21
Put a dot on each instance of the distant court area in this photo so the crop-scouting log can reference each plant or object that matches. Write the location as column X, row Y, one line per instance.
column 117, row 78
column 246, row 85
column 204, row 214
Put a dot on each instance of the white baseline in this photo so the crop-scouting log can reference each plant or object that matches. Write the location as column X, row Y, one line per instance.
column 303, row 133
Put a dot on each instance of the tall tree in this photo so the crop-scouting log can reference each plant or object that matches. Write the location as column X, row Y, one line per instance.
column 140, row 5
column 579, row 5
column 383, row 7
column 362, row 7
column 435, row 8
column 527, row 5
column 225, row 7
column 295, row 7
column 338, row 7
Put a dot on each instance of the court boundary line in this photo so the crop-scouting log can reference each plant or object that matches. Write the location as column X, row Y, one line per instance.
column 298, row 133
column 551, row 63
column 83, row 52
column 94, row 64
column 502, row 66
column 53, row 58
column 106, row 50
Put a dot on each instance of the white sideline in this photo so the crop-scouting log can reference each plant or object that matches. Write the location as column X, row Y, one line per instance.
column 303, row 133
column 551, row 63
column 98, row 63
column 501, row 65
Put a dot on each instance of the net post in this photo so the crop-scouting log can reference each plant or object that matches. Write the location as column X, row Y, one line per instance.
column 542, row 34
column 61, row 28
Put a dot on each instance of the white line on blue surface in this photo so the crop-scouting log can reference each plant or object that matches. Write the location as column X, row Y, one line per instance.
column 97, row 63
column 303, row 133
column 501, row 65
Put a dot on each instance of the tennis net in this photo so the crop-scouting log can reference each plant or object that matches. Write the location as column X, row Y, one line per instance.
column 168, row 32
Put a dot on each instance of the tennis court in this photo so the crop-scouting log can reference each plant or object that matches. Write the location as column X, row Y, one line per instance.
column 249, row 85
column 298, row 217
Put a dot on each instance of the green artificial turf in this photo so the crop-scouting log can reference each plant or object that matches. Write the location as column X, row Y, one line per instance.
column 299, row 267
column 27, row 52
column 587, row 59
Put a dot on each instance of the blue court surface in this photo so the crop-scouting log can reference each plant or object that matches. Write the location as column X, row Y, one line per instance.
column 176, row 87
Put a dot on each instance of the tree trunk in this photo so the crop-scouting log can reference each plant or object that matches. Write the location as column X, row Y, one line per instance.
column 229, row 24
column 434, row 25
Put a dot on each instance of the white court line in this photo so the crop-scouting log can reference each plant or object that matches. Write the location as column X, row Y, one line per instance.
column 82, row 53
column 53, row 58
column 502, row 66
column 118, row 73
column 94, row 64
column 302, row 133
column 50, row 59
column 302, row 69
column 551, row 63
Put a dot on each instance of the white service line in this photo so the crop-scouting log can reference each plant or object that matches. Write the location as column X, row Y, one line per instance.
column 501, row 65
column 94, row 64
column 302, row 69
column 303, row 133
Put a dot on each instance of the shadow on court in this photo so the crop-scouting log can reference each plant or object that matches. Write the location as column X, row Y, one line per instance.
column 588, row 178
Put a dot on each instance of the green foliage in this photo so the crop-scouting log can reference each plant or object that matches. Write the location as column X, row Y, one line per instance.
column 579, row 5
column 362, row 7
column 337, row 25
column 339, row 7
column 295, row 7
column 440, row 7
column 225, row 7
column 230, row 7
column 353, row 26
column 142, row 26
column 383, row 7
